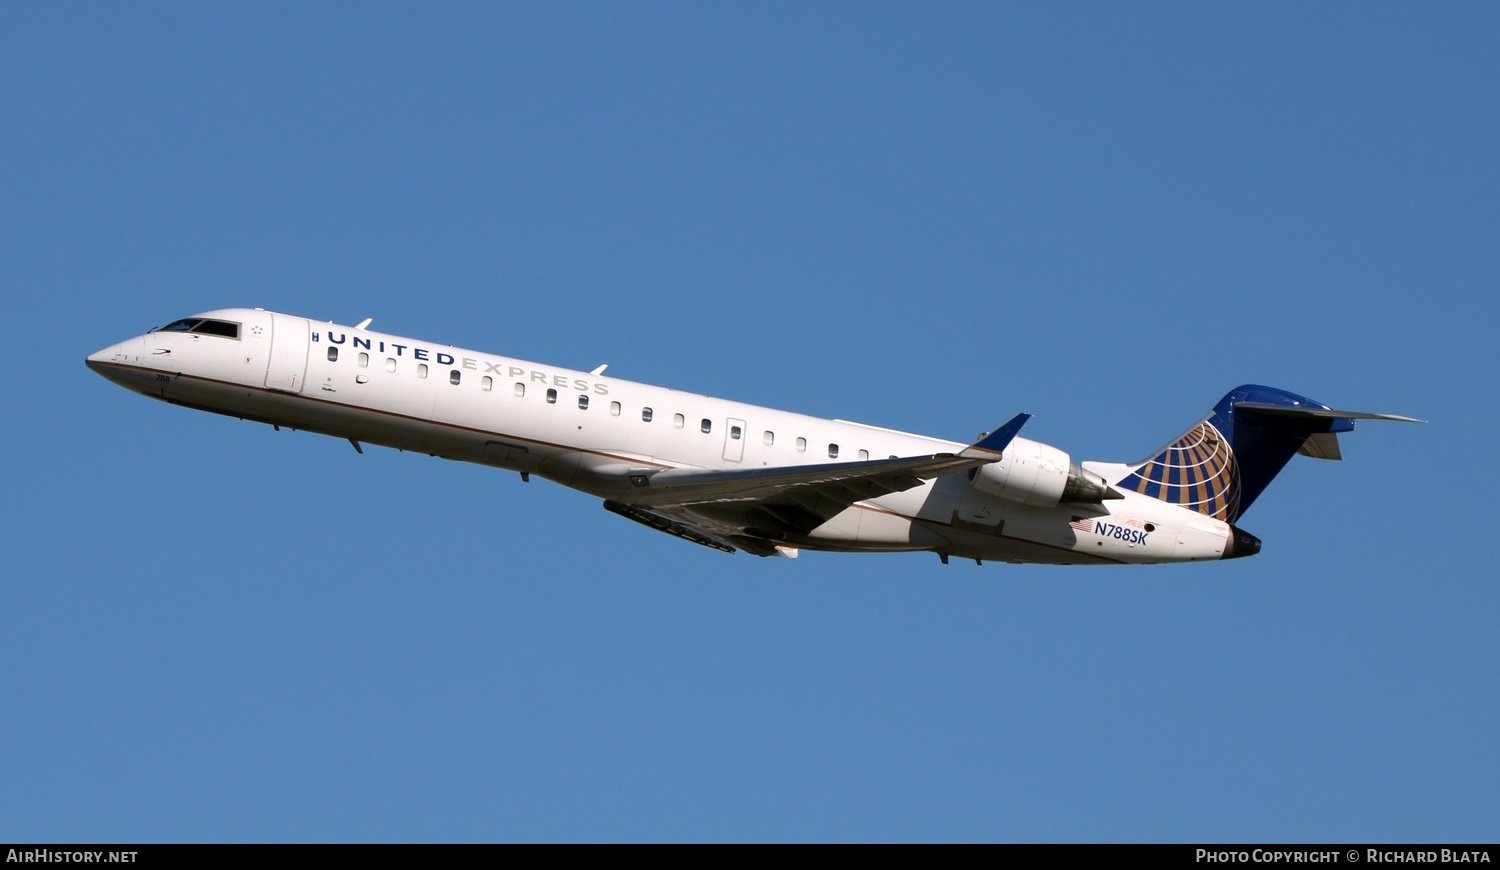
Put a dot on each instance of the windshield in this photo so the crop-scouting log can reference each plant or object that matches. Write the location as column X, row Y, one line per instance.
column 203, row 326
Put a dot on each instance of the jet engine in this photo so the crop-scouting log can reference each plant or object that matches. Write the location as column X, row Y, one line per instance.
column 1040, row 475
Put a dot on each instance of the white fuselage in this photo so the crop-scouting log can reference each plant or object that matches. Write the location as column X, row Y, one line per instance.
column 587, row 431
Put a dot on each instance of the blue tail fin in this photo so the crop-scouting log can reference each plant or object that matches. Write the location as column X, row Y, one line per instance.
column 1222, row 465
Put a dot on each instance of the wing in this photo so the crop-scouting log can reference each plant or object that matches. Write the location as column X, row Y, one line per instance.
column 751, row 509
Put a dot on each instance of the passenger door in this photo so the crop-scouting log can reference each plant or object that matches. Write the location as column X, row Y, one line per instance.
column 287, row 368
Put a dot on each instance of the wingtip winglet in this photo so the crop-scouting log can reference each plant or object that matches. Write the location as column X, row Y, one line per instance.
column 998, row 440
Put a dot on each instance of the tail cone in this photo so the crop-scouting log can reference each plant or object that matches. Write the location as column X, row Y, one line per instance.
column 1241, row 544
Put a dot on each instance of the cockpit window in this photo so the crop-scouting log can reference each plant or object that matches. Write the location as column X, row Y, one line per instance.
column 218, row 327
column 203, row 327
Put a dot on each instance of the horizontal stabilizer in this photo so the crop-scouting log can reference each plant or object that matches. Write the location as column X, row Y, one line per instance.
column 1324, row 413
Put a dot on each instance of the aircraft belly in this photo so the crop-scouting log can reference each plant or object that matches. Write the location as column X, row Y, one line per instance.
column 133, row 376
column 367, row 425
column 975, row 525
column 872, row 529
column 882, row 530
column 213, row 395
column 841, row 532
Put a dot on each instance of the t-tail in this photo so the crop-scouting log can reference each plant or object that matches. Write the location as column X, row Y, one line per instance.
column 1222, row 465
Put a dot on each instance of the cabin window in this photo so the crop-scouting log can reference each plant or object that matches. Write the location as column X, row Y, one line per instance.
column 486, row 383
column 552, row 397
column 833, row 451
column 390, row 364
column 864, row 454
column 422, row 370
column 364, row 360
column 333, row 354
column 583, row 402
column 454, row 375
column 614, row 409
column 768, row 437
column 645, row 415
column 801, row 445
column 679, row 421
column 706, row 426
column 520, row 390
column 734, row 433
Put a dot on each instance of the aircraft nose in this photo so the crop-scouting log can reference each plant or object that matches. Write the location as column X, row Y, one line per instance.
column 110, row 362
column 99, row 358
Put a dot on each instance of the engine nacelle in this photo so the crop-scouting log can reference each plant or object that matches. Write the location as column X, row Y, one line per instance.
column 1040, row 475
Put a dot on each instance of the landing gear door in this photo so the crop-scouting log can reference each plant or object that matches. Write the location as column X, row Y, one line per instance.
column 288, row 365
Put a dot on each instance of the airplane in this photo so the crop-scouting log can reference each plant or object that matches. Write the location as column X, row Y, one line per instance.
column 733, row 476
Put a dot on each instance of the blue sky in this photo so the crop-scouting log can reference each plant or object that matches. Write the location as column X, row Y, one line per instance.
column 1106, row 215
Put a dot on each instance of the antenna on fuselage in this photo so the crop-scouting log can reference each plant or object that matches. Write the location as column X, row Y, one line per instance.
column 600, row 370
column 365, row 324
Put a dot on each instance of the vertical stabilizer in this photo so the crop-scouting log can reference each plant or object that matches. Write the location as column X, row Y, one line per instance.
column 1221, row 466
